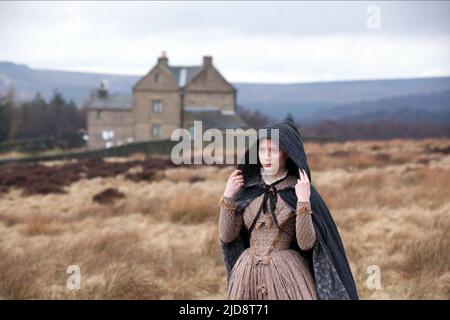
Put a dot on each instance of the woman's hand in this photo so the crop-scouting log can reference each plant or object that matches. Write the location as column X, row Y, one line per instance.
column 234, row 184
column 303, row 187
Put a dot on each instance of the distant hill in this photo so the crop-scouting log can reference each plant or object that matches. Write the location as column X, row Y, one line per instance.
column 333, row 100
column 308, row 102
column 433, row 107
column 73, row 85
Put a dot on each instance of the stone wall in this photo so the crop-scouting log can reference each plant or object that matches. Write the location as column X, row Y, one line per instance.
column 119, row 121
column 145, row 117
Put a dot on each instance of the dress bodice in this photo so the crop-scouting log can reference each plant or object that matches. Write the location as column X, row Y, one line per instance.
column 266, row 237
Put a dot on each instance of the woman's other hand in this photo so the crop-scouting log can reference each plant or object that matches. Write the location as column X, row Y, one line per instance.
column 303, row 187
column 234, row 184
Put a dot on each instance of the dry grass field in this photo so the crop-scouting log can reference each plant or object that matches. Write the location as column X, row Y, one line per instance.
column 143, row 229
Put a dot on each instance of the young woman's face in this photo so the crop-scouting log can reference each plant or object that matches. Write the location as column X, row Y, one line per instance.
column 272, row 157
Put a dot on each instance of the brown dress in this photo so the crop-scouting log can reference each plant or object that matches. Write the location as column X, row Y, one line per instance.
column 268, row 269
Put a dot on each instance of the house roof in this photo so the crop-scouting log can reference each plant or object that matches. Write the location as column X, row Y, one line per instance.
column 112, row 102
column 184, row 74
column 213, row 117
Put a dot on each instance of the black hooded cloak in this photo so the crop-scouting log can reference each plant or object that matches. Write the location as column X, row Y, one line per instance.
column 327, row 259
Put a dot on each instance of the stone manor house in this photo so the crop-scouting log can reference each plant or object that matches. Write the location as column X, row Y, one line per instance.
column 166, row 98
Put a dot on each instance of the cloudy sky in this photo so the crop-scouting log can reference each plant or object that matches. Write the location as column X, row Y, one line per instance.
column 277, row 42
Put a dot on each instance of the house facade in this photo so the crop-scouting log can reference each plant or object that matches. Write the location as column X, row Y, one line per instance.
column 166, row 98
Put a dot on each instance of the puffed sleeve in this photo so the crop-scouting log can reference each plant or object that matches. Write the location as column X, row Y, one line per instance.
column 230, row 222
column 304, row 228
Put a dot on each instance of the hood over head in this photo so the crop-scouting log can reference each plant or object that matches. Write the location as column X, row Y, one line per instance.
column 290, row 141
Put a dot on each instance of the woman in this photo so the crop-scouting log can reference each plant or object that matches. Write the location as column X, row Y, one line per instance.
column 278, row 238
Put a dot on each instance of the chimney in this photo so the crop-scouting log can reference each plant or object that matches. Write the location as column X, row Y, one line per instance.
column 163, row 59
column 102, row 92
column 207, row 61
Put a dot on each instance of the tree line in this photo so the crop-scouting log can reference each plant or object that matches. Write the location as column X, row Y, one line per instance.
column 65, row 123
column 55, row 118
column 381, row 128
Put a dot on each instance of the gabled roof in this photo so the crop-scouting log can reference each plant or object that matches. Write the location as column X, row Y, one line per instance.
column 184, row 74
column 213, row 117
column 116, row 101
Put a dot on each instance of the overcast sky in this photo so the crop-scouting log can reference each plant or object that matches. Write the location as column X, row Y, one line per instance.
column 249, row 41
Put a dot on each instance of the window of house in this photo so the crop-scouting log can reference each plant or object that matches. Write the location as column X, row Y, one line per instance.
column 98, row 114
column 156, row 130
column 157, row 106
column 107, row 134
column 156, row 77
